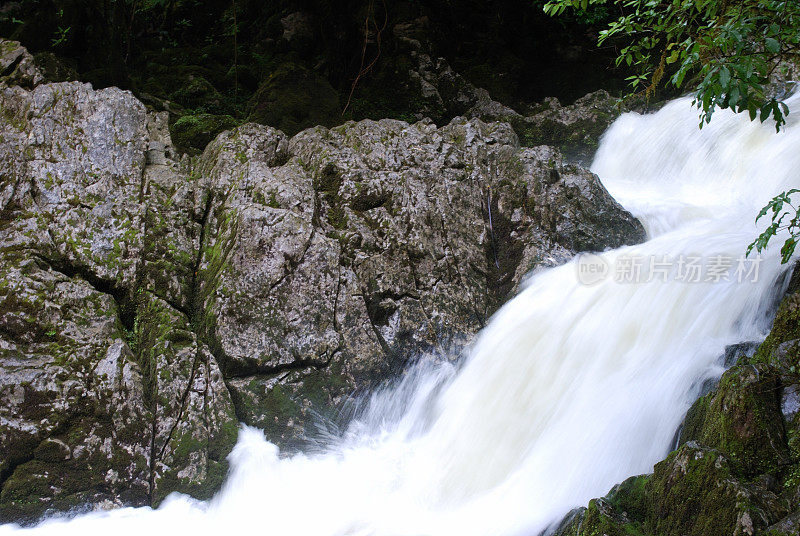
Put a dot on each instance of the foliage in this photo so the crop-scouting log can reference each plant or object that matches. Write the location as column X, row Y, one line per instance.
column 782, row 209
column 61, row 36
column 729, row 50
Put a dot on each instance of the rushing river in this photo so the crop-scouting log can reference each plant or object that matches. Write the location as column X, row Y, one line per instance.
column 577, row 383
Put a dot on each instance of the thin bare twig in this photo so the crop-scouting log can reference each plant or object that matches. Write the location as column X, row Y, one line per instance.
column 364, row 70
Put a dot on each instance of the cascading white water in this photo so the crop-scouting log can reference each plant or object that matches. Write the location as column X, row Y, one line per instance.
column 570, row 389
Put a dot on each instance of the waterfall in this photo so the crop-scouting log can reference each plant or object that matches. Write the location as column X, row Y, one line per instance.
column 578, row 382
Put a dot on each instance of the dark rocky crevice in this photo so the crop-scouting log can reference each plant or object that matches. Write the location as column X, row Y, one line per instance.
column 13, row 464
column 126, row 307
column 385, row 348
column 195, row 307
column 502, row 252
column 11, row 67
column 378, row 311
column 151, row 480
column 245, row 370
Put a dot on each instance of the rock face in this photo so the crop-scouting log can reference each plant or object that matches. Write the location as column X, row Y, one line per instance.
column 151, row 304
column 107, row 391
column 737, row 469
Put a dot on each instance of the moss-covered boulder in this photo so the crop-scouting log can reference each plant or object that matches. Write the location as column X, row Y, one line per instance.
column 334, row 241
column 696, row 491
column 53, row 68
column 575, row 129
column 191, row 133
column 742, row 419
column 72, row 428
column 199, row 94
column 597, row 519
column 293, row 98
column 782, row 346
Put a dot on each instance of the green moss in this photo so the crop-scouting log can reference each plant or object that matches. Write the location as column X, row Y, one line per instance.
column 785, row 327
column 630, row 497
column 271, row 201
column 337, row 217
column 288, row 411
column 153, row 328
column 21, row 498
column 599, row 519
column 695, row 492
column 596, row 522
column 742, row 419
column 192, row 133
column 212, row 473
column 199, row 94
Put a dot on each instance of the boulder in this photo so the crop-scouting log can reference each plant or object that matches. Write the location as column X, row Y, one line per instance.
column 191, row 133
column 695, row 491
column 742, row 419
column 293, row 98
column 108, row 394
column 17, row 65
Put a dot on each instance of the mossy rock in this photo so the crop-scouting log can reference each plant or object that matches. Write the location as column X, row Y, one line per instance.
column 28, row 493
column 405, row 101
column 199, row 94
column 289, row 412
column 68, row 473
column 742, row 419
column 781, row 347
column 600, row 518
column 191, row 133
column 294, row 98
column 697, row 492
column 214, row 471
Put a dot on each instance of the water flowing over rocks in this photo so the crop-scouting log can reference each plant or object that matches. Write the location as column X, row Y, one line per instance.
column 736, row 469
column 151, row 303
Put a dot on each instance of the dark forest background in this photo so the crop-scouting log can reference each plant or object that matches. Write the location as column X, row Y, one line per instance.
column 297, row 63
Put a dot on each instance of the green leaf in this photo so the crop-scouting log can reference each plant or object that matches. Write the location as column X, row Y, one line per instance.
column 724, row 77
column 772, row 45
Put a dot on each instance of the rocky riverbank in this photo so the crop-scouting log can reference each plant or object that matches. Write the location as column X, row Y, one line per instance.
column 151, row 301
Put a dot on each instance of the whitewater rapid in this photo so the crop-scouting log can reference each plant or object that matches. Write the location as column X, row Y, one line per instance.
column 577, row 383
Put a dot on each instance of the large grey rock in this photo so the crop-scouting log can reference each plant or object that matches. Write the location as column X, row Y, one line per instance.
column 150, row 304
column 97, row 351
column 354, row 248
